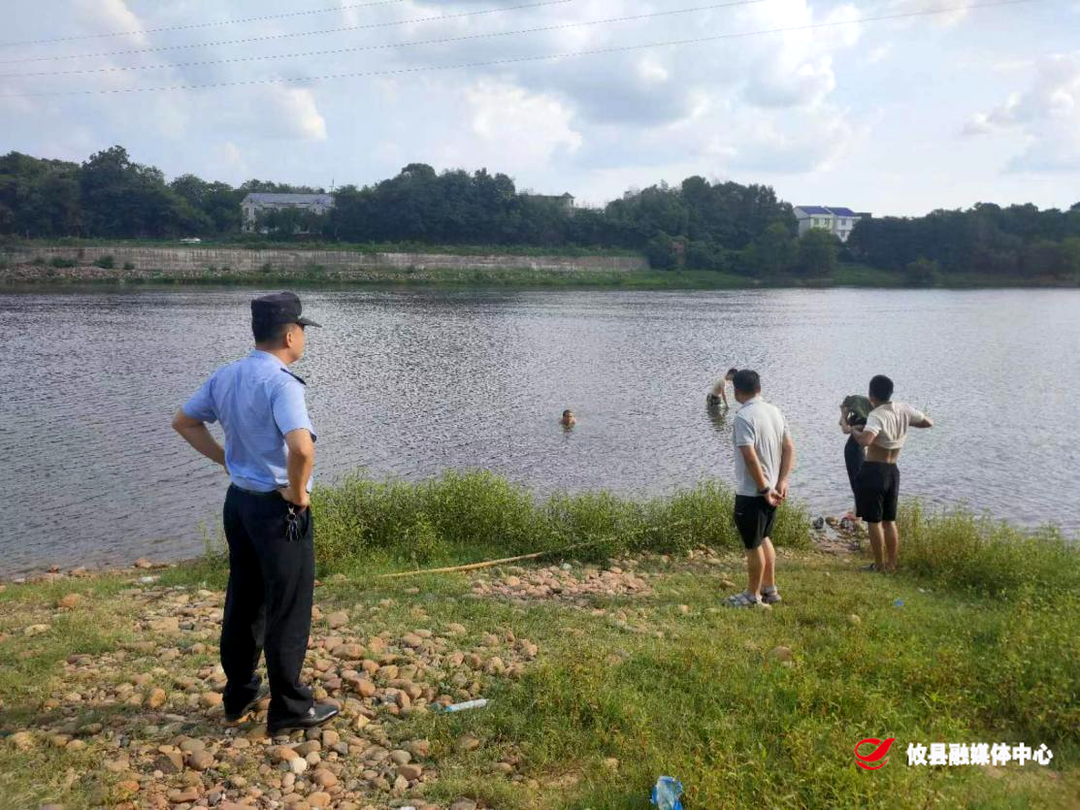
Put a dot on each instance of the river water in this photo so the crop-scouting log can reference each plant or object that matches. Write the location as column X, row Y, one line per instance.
column 409, row 383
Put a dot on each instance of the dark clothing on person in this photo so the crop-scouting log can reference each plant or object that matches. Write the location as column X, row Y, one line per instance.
column 268, row 601
column 854, row 457
column 877, row 491
column 754, row 518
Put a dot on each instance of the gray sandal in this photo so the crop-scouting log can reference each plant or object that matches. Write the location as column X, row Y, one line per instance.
column 770, row 596
column 743, row 600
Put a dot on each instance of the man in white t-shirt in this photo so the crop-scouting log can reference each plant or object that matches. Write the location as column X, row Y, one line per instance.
column 764, row 457
column 877, row 484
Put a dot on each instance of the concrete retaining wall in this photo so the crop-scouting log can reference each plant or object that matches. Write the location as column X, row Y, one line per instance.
column 197, row 262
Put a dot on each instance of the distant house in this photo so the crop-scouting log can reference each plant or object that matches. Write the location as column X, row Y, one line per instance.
column 838, row 221
column 260, row 202
column 564, row 201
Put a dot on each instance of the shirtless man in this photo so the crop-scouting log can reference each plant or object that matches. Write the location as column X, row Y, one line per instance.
column 877, row 485
column 718, row 395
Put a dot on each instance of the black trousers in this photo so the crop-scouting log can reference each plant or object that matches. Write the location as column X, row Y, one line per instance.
column 854, row 456
column 268, row 602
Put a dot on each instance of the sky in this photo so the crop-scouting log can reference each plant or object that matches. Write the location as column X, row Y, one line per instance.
column 896, row 116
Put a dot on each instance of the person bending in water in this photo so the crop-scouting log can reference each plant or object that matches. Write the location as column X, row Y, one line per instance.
column 568, row 420
column 853, row 412
column 718, row 395
column 877, row 485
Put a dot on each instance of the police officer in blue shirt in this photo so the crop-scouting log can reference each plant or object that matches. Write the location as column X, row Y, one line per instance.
column 269, row 454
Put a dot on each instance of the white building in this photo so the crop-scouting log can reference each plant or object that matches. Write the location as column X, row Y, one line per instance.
column 837, row 221
column 260, row 202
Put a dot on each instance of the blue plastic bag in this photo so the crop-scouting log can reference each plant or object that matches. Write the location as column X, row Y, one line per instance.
column 666, row 793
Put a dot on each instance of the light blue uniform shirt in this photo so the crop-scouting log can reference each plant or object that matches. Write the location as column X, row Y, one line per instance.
column 257, row 400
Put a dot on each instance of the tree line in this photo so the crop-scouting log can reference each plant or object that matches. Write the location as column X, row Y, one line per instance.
column 722, row 226
column 1015, row 240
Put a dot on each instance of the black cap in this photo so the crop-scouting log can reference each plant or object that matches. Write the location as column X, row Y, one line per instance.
column 283, row 307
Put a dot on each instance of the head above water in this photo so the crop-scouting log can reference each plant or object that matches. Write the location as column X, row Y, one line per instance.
column 747, row 385
column 881, row 389
column 278, row 325
column 731, row 372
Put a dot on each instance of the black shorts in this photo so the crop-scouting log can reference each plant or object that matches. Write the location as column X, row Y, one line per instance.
column 754, row 518
column 877, row 490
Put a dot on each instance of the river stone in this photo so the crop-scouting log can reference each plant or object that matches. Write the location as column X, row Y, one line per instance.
column 23, row 740
column 337, row 619
column 169, row 763
column 168, row 624
column 201, row 760
column 467, row 743
column 324, row 778
column 188, row 794
column 283, row 753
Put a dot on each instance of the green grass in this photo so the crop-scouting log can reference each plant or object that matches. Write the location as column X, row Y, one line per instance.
column 476, row 515
column 861, row 275
column 982, row 648
column 411, row 277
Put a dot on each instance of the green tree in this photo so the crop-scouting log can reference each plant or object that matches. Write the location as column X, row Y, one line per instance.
column 817, row 253
column 773, row 253
column 923, row 272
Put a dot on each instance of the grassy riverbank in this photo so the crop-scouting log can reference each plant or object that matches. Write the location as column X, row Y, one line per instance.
column 138, row 262
column 603, row 673
column 857, row 276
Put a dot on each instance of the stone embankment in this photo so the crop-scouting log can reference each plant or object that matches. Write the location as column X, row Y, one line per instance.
column 30, row 264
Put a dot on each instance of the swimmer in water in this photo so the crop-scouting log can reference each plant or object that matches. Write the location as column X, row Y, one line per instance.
column 718, row 395
column 568, row 420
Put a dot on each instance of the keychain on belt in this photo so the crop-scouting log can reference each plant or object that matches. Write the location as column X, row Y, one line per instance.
column 292, row 524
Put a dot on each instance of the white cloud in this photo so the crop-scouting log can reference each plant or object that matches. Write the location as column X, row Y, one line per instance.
column 879, row 53
column 519, row 126
column 272, row 112
column 952, row 13
column 1047, row 114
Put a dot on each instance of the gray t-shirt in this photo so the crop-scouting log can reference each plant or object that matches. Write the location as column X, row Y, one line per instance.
column 762, row 426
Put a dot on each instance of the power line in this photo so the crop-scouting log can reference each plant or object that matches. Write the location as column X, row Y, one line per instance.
column 194, row 26
column 525, row 59
column 412, row 44
column 268, row 37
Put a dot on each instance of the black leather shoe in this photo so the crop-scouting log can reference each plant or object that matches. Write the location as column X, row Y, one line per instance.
column 236, row 717
column 316, row 716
